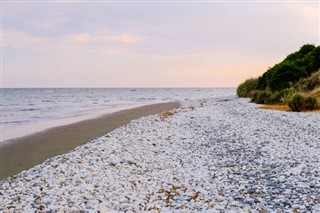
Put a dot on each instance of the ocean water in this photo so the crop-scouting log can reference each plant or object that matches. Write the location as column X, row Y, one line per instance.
column 25, row 111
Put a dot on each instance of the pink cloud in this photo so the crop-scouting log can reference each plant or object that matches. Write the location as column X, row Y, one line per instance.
column 74, row 43
column 127, row 38
column 122, row 38
column 82, row 37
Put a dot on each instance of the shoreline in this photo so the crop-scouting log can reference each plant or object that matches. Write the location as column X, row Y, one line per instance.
column 25, row 152
column 200, row 157
column 14, row 132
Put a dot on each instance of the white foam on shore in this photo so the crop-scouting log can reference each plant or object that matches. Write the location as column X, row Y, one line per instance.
column 14, row 131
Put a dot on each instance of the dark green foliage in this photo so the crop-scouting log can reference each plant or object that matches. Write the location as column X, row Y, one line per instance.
column 262, row 81
column 274, row 98
column 296, row 102
column 254, row 95
column 266, row 97
column 285, row 94
column 305, row 49
column 297, row 65
column 262, row 97
column 246, row 87
column 299, row 71
column 310, row 103
column 283, row 76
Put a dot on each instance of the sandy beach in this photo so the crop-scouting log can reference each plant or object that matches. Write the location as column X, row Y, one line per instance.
column 222, row 155
column 26, row 152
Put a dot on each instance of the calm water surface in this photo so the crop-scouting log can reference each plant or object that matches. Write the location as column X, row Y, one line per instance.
column 20, row 107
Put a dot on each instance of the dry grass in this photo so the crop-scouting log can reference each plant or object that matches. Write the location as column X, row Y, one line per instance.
column 285, row 107
column 276, row 107
column 315, row 93
column 315, row 110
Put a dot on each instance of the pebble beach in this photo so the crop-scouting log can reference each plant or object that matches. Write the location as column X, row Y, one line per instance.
column 210, row 155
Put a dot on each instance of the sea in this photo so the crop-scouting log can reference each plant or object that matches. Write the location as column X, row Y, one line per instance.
column 26, row 111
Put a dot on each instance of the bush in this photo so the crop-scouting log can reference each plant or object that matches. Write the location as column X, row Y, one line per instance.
column 262, row 97
column 245, row 89
column 254, row 95
column 297, row 65
column 307, row 84
column 310, row 103
column 296, row 102
column 285, row 95
column 265, row 97
column 274, row 98
column 283, row 75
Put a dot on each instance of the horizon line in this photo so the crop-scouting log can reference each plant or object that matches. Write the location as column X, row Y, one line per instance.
column 117, row 87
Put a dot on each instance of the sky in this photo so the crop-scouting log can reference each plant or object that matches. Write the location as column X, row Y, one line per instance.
column 149, row 43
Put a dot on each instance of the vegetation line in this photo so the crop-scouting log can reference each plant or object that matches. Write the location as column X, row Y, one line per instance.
column 294, row 82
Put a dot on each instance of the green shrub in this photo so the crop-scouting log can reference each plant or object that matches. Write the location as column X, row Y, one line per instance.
column 283, row 75
column 298, row 72
column 285, row 95
column 274, row 98
column 307, row 84
column 262, row 97
column 310, row 103
column 245, row 89
column 254, row 95
column 296, row 66
column 296, row 102
column 265, row 97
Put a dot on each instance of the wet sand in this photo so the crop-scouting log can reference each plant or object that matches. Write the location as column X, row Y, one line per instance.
column 26, row 152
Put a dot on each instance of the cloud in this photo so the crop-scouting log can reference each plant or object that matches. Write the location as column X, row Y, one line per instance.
column 122, row 38
column 105, row 44
column 173, row 27
column 127, row 38
column 82, row 37
column 144, row 43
